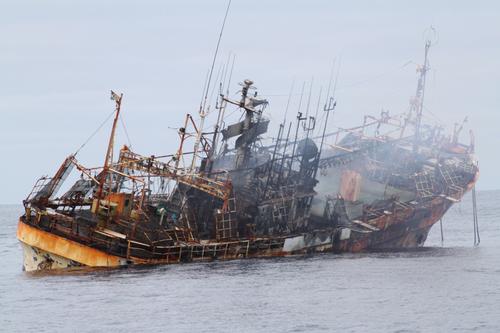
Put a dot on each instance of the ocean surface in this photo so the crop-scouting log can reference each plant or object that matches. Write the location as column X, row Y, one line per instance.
column 434, row 289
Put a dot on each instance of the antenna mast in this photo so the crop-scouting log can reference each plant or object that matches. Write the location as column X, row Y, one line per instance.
column 109, row 152
column 203, row 112
column 418, row 103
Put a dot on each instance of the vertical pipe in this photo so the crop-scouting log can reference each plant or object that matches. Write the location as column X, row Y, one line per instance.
column 299, row 119
column 420, row 95
column 278, row 140
column 441, row 228
column 284, row 152
column 477, row 238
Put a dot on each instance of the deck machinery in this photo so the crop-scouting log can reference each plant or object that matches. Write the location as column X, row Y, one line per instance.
column 380, row 185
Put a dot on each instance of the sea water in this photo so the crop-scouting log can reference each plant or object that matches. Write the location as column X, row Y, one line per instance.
column 454, row 287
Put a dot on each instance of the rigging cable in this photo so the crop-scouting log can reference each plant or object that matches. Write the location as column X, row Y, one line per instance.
column 319, row 102
column 126, row 132
column 94, row 133
column 230, row 74
column 202, row 107
column 441, row 228
column 220, row 74
column 288, row 101
column 477, row 238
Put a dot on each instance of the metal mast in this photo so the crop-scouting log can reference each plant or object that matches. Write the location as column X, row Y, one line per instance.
column 109, row 152
column 418, row 102
column 203, row 111
column 243, row 150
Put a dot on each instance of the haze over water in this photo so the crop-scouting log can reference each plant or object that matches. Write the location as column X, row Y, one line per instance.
column 432, row 289
column 59, row 59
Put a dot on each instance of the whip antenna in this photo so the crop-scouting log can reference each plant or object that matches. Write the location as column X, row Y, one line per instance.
column 202, row 110
column 202, row 107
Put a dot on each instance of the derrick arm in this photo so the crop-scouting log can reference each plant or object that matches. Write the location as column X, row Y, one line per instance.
column 152, row 166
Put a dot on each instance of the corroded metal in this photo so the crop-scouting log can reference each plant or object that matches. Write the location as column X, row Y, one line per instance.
column 61, row 251
column 373, row 186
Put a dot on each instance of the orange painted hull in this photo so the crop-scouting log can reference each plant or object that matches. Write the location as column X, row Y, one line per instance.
column 62, row 248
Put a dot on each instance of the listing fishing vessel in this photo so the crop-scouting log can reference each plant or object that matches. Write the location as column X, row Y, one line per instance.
column 227, row 193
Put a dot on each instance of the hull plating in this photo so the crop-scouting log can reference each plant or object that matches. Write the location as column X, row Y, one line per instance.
column 44, row 250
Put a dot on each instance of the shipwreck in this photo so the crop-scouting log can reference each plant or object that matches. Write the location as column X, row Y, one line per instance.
column 227, row 194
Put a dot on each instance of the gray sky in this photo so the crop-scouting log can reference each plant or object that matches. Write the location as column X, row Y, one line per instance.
column 58, row 61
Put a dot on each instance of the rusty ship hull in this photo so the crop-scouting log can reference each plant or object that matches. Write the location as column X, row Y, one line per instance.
column 50, row 241
column 46, row 249
column 380, row 185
